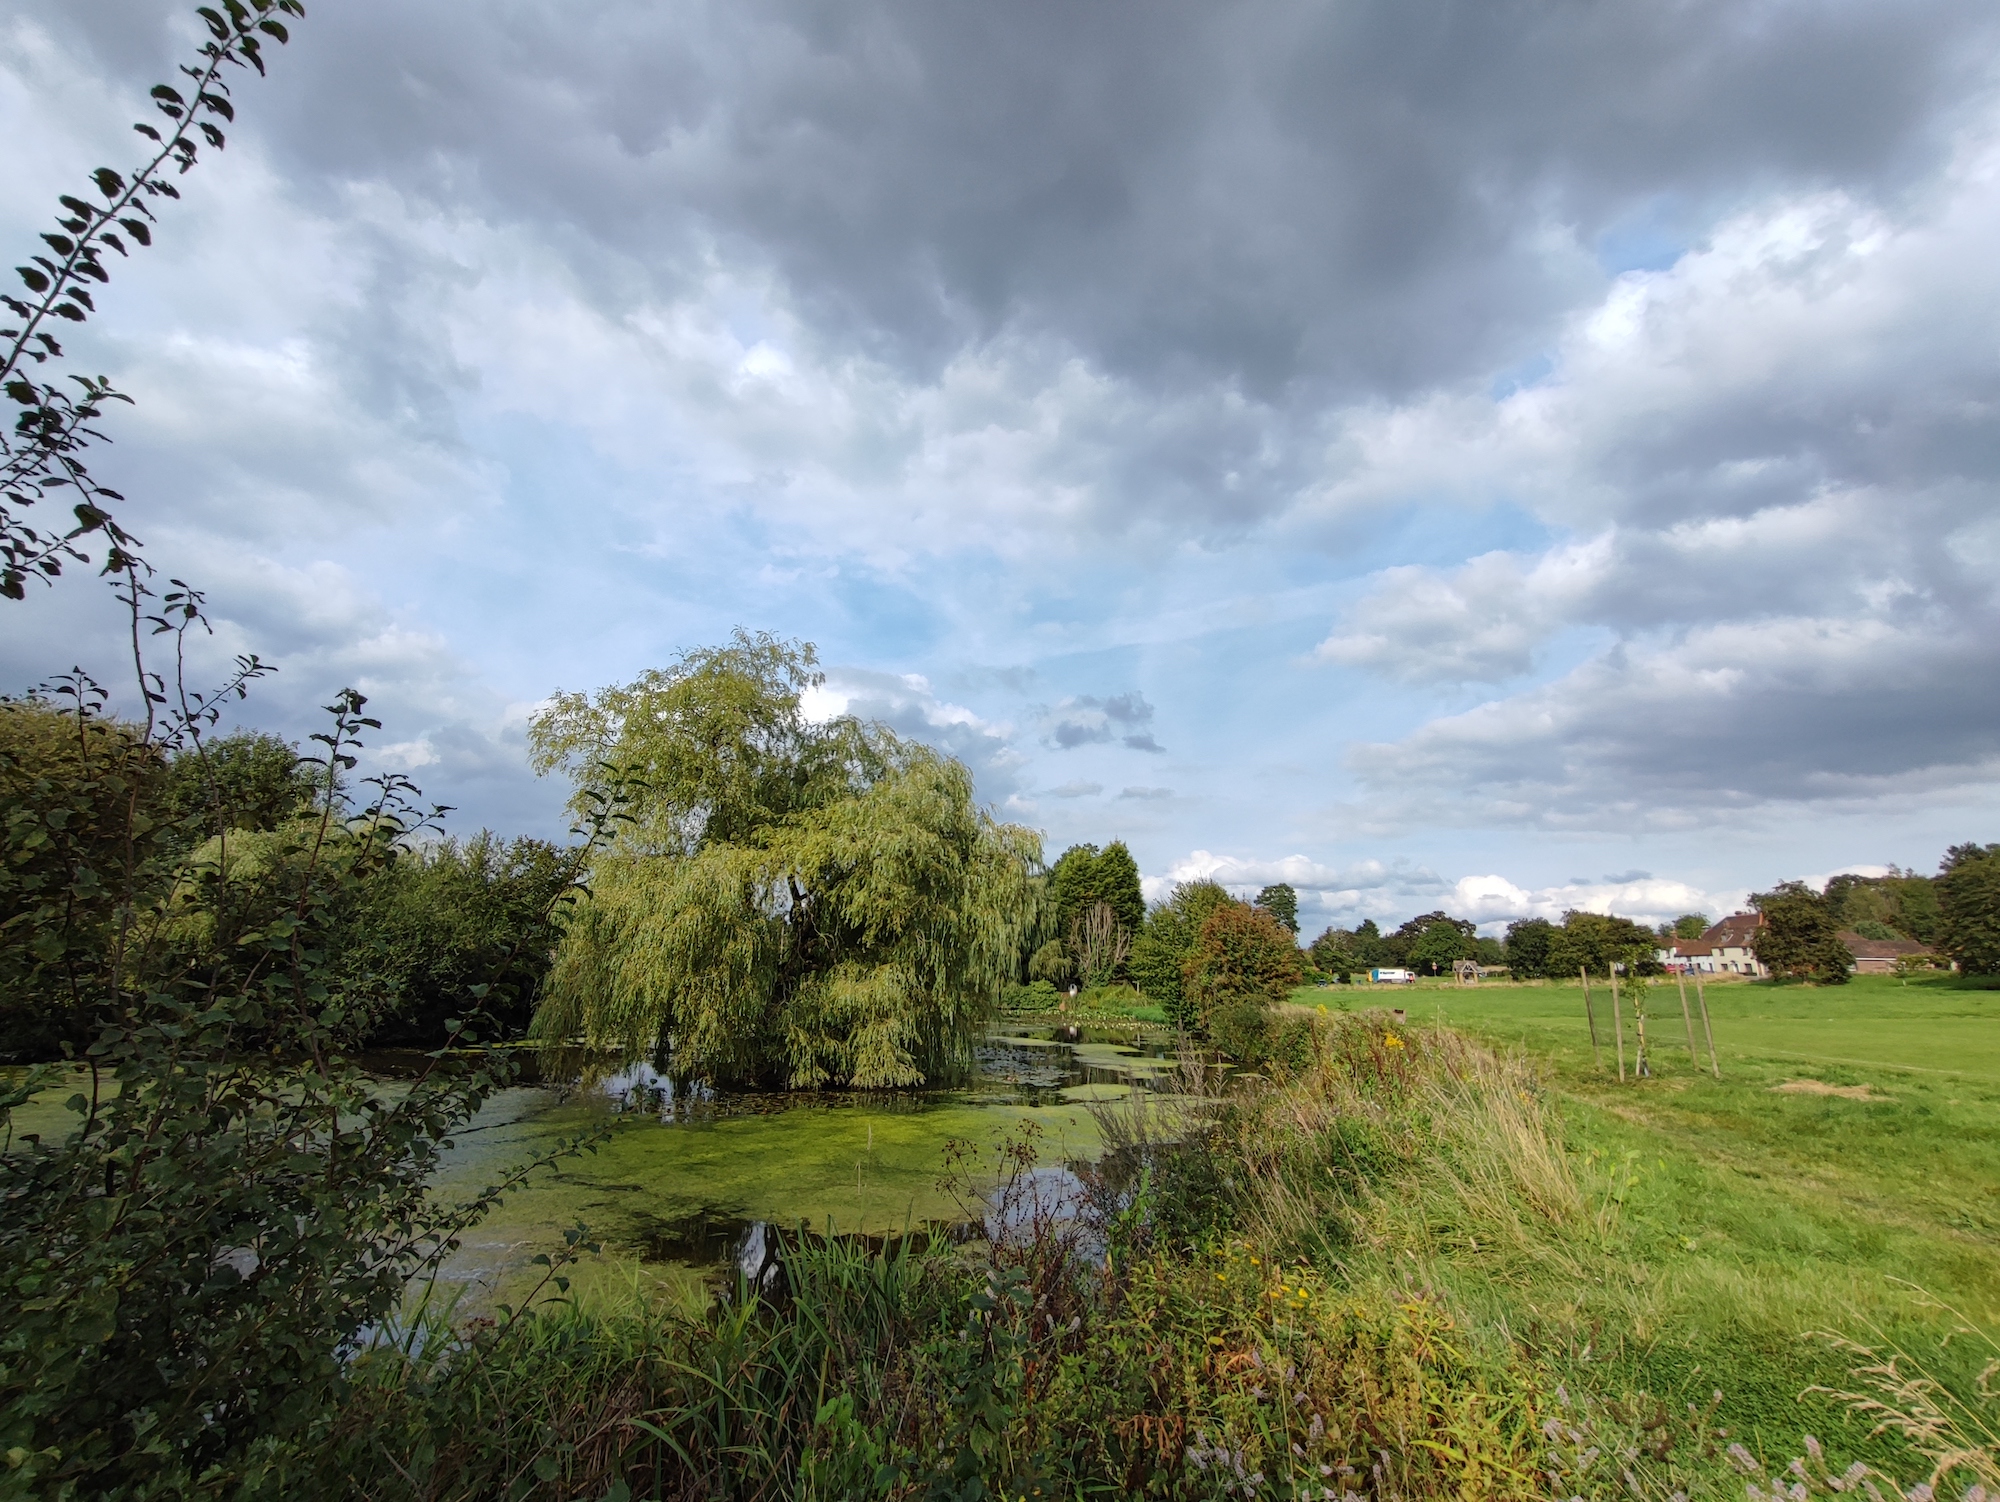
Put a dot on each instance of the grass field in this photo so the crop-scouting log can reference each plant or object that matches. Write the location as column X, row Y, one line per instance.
column 1753, row 1216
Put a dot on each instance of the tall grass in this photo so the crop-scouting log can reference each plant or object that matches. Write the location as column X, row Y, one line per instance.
column 1334, row 1283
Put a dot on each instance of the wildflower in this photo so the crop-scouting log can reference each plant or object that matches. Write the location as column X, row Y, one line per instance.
column 1392, row 1041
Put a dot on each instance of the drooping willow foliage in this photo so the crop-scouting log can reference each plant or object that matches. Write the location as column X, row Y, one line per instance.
column 793, row 903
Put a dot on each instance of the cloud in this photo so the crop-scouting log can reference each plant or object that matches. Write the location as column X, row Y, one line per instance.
column 1613, row 394
column 1147, row 795
column 906, row 703
column 1726, row 719
column 1391, row 894
column 1785, row 580
column 1089, row 720
column 1077, row 790
column 1479, row 623
column 1493, row 901
column 1328, row 887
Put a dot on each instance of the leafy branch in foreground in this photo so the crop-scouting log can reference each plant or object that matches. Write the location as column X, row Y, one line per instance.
column 231, row 1203
column 43, row 452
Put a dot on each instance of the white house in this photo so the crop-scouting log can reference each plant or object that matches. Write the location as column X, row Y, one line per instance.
column 1724, row 949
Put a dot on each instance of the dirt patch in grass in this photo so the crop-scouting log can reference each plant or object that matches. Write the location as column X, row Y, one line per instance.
column 1821, row 1087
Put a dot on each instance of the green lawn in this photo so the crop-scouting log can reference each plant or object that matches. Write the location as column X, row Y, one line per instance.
column 1757, row 1216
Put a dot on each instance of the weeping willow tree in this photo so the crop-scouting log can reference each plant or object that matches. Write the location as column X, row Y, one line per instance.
column 792, row 903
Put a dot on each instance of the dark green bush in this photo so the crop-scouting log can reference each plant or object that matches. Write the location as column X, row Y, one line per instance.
column 441, row 920
column 1241, row 1028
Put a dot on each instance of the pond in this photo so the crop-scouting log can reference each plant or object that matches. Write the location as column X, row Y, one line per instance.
column 684, row 1185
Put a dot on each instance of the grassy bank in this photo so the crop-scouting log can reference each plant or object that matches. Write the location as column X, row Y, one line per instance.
column 1756, row 1208
column 1419, row 1267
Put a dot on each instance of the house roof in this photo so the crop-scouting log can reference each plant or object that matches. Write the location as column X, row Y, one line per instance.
column 1737, row 931
column 1881, row 949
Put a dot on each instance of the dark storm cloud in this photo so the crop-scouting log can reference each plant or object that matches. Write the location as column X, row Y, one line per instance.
column 1087, row 720
column 1732, row 719
column 1272, row 196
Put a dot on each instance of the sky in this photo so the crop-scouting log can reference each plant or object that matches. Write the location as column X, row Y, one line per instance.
column 1499, row 455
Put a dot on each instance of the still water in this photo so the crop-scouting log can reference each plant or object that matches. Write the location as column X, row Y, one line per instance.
column 680, row 1186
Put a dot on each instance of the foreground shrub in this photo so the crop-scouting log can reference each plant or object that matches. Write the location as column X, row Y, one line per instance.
column 235, row 1202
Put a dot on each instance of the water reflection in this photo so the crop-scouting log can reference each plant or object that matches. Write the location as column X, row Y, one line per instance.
column 1019, row 1069
column 641, row 1087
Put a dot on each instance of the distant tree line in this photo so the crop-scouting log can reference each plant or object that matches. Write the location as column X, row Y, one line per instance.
column 1956, row 913
column 1429, row 944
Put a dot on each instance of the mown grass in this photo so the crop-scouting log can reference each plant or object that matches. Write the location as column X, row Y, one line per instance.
column 1416, row 1267
column 1752, row 1217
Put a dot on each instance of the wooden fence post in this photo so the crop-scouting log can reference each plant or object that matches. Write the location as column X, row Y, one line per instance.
column 1596, row 1057
column 1681, row 979
column 1701, row 997
column 1618, row 1025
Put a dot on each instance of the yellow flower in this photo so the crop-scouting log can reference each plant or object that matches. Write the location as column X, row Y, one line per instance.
column 1392, row 1041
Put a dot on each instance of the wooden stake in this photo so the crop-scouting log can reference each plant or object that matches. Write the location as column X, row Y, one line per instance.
column 1596, row 1057
column 1681, row 978
column 1618, row 1026
column 1701, row 998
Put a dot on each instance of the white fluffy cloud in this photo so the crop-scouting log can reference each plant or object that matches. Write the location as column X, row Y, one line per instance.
column 1774, row 452
column 906, row 703
column 1493, row 900
column 1392, row 893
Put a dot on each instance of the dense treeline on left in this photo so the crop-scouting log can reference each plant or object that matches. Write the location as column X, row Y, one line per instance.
column 86, row 796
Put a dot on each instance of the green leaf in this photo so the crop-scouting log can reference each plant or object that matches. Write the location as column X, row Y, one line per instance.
column 35, row 280
column 137, row 229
